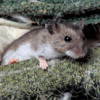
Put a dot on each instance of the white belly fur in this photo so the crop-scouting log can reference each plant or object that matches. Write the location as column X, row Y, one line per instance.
column 48, row 52
column 25, row 52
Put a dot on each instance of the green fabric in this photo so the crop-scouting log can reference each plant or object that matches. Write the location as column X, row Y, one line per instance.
column 26, row 78
column 73, row 10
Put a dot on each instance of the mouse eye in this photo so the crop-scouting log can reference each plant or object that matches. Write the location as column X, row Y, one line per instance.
column 67, row 38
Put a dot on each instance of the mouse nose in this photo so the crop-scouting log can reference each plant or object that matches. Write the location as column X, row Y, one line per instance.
column 79, row 52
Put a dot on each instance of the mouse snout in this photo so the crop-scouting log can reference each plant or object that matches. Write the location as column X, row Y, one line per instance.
column 76, row 52
column 80, row 52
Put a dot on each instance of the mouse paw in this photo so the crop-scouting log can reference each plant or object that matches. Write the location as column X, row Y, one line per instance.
column 13, row 60
column 43, row 63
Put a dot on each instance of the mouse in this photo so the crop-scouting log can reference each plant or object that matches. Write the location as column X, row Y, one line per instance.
column 55, row 40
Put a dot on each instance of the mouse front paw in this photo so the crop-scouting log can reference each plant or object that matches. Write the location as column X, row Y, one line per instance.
column 43, row 63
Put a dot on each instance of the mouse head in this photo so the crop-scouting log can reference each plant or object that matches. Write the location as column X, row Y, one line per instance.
column 67, row 38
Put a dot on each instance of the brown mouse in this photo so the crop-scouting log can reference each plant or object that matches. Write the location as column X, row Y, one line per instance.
column 53, row 41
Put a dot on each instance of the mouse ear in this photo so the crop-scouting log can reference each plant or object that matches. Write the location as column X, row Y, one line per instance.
column 51, row 26
column 80, row 24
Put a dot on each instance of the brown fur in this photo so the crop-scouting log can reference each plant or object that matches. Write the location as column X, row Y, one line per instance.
column 55, row 38
column 58, row 42
column 26, row 37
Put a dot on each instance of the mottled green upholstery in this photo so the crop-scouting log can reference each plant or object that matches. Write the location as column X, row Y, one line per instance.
column 73, row 10
column 27, row 79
